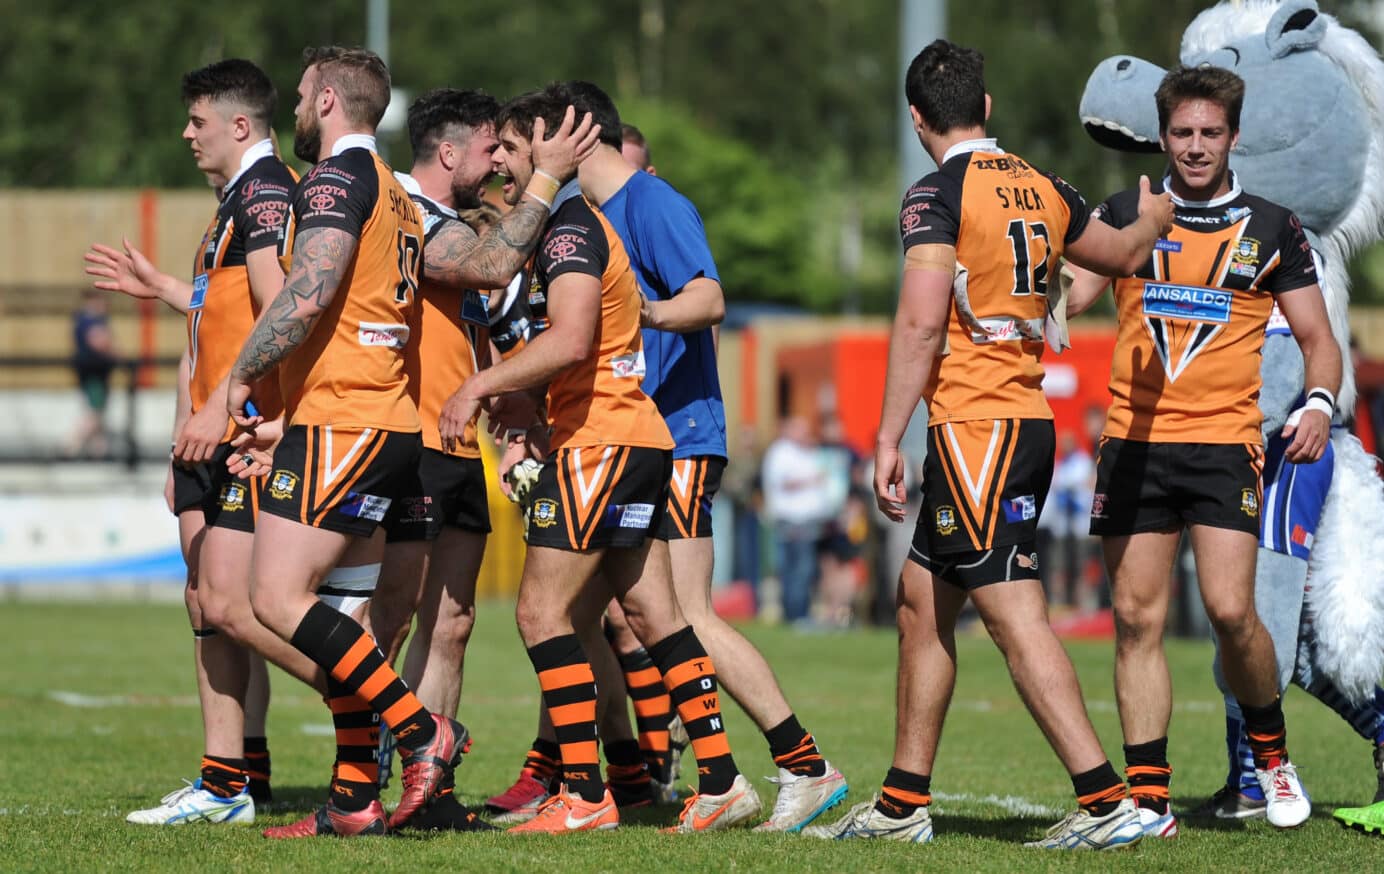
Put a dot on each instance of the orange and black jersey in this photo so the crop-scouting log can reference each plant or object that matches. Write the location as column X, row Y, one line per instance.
column 350, row 370
column 599, row 400
column 1009, row 223
column 511, row 323
column 1192, row 319
column 448, row 334
column 252, row 215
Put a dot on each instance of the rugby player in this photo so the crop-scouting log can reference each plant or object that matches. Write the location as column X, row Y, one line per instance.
column 981, row 238
column 598, row 499
column 335, row 335
column 230, row 110
column 1182, row 446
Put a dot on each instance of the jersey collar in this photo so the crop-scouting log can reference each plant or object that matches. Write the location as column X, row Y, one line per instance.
column 984, row 144
column 262, row 149
column 565, row 193
column 413, row 188
column 354, row 141
column 1224, row 199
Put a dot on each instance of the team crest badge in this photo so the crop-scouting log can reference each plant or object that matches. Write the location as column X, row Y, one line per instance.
column 1249, row 503
column 544, row 513
column 946, row 521
column 282, row 484
column 232, row 497
column 1247, row 251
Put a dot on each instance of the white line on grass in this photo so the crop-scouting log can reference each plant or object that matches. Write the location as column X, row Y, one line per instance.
column 78, row 699
column 1009, row 803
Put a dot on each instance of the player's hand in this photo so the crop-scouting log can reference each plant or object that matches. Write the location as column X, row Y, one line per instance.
column 560, row 155
column 510, row 411
column 515, row 451
column 1310, row 430
column 1158, row 207
column 647, row 316
column 254, row 449
column 168, row 490
column 457, row 413
column 127, row 272
column 890, row 494
column 200, row 435
column 237, row 395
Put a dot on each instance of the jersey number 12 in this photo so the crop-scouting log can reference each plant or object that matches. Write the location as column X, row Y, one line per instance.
column 1030, row 274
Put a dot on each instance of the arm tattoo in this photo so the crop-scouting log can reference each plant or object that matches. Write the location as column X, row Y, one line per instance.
column 457, row 257
column 321, row 256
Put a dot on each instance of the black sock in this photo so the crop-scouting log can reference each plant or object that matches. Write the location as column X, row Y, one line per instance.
column 903, row 793
column 794, row 749
column 1267, row 733
column 569, row 693
column 1148, row 773
column 224, row 776
column 356, row 772
column 258, row 766
column 691, row 680
column 1100, row 790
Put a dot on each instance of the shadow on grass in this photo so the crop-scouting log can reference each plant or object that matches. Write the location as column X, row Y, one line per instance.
column 1009, row 829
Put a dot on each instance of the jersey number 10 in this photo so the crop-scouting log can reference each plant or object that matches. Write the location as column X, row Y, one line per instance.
column 1030, row 274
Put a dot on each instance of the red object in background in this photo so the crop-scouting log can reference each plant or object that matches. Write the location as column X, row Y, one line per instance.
column 854, row 365
column 734, row 601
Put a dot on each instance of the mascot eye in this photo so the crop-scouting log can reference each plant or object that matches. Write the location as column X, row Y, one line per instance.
column 1123, row 65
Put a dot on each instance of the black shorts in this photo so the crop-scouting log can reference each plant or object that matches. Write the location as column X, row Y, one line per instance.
column 984, row 485
column 695, row 481
column 446, row 491
column 595, row 497
column 339, row 478
column 231, row 502
column 190, row 486
column 1160, row 486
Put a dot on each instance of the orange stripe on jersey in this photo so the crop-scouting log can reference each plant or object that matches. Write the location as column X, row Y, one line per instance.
column 967, row 515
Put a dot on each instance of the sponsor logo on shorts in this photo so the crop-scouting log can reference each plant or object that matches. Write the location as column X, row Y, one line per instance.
column 232, row 497
column 394, row 336
column 362, row 506
column 1098, row 505
column 946, row 521
column 544, row 513
column 636, row 516
column 417, row 509
column 282, row 483
column 1249, row 503
column 1190, row 302
column 1020, row 509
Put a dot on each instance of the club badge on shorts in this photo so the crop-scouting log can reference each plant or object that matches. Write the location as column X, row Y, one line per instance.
column 946, row 521
column 544, row 513
column 1249, row 503
column 282, row 484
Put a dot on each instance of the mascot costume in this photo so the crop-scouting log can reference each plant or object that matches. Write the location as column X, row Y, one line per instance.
column 1312, row 140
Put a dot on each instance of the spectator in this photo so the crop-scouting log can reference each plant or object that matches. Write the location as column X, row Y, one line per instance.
column 94, row 359
column 846, row 529
column 741, row 485
column 796, row 505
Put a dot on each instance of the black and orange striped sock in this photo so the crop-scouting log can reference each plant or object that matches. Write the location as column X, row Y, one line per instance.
column 794, row 749
column 257, row 765
column 1148, row 773
column 691, row 681
column 903, row 793
column 625, row 767
column 355, row 776
column 544, row 758
column 224, row 776
column 1100, row 790
column 1267, row 733
column 569, row 692
column 653, row 709
column 350, row 656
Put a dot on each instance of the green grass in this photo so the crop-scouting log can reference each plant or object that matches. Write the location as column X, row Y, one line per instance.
column 68, row 774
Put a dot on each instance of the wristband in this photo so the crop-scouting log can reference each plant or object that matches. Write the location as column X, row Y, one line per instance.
column 546, row 175
column 546, row 186
column 1317, row 402
column 1323, row 396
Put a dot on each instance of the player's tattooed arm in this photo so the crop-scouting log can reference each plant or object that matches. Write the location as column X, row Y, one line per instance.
column 321, row 257
column 455, row 256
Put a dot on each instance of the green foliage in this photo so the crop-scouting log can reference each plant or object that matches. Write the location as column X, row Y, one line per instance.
column 71, row 772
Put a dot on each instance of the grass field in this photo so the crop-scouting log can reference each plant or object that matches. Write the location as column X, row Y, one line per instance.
column 71, row 766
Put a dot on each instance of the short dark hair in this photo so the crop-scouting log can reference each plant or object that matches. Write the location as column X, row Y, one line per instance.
column 1204, row 82
column 234, row 80
column 549, row 104
column 588, row 97
column 439, row 114
column 631, row 134
column 946, row 84
column 357, row 75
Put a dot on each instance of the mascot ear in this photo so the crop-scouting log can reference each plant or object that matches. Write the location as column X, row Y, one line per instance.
column 1296, row 25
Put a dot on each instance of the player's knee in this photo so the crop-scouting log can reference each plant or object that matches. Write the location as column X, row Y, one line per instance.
column 454, row 632
column 1232, row 619
column 1136, row 624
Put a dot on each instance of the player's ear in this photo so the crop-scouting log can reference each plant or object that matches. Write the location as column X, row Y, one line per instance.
column 326, row 99
column 241, row 127
column 918, row 116
column 1234, row 140
column 651, row 170
column 987, row 106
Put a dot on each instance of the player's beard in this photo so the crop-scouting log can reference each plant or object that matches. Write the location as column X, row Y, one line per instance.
column 307, row 139
column 464, row 197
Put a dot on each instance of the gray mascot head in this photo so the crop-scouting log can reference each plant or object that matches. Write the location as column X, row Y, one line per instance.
column 1311, row 134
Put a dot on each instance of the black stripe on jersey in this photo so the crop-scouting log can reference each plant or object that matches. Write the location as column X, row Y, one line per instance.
column 949, row 462
column 1216, row 262
column 991, row 505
